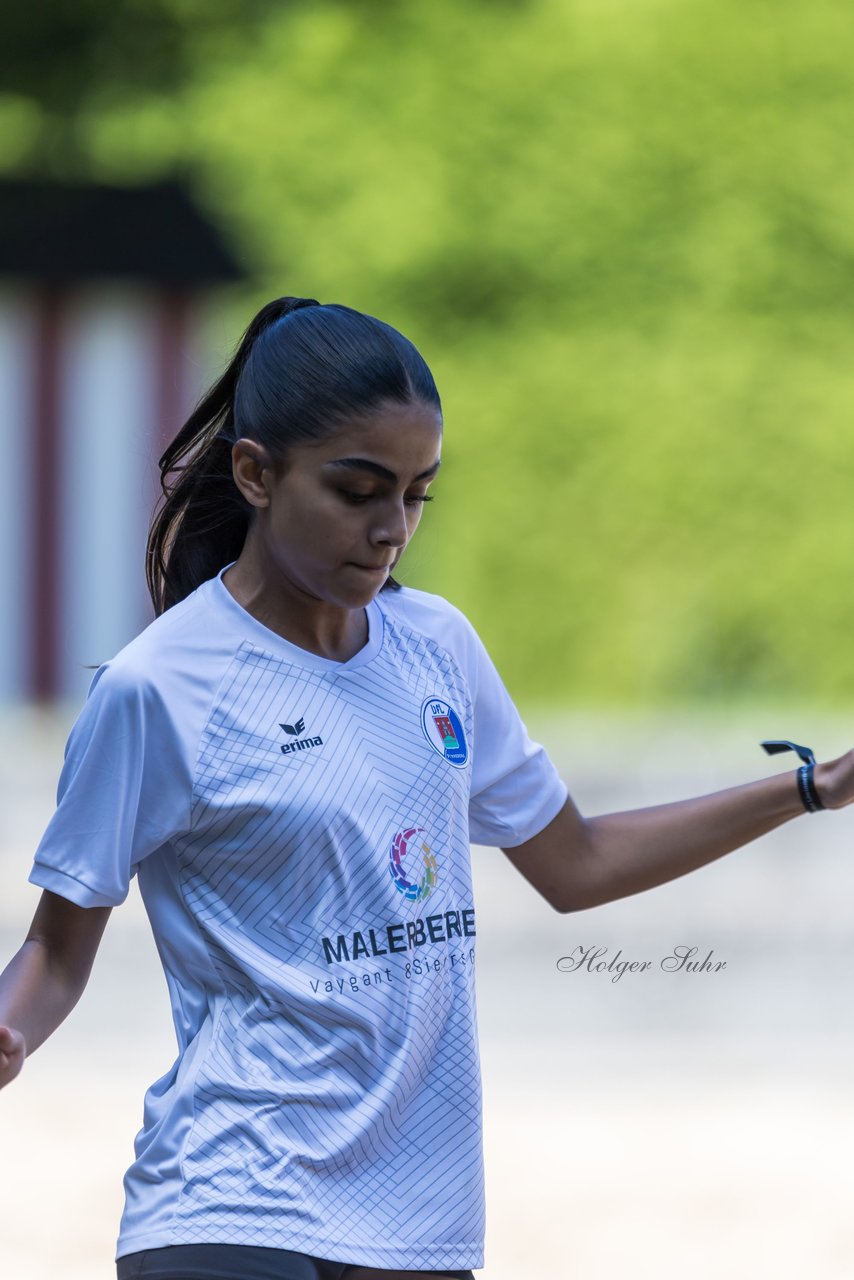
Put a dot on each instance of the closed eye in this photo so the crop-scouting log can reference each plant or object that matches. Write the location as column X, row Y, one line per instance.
column 357, row 498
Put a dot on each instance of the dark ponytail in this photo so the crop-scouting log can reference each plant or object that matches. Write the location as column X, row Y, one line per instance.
column 301, row 368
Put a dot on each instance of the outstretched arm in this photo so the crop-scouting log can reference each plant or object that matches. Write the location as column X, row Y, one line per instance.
column 44, row 980
column 578, row 862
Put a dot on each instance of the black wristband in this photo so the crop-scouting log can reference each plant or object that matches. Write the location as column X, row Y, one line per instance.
column 806, row 782
column 806, row 786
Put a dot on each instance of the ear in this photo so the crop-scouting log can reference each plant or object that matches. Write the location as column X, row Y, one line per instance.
column 252, row 468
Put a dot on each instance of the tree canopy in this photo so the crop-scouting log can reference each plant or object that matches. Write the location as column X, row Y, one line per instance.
column 621, row 234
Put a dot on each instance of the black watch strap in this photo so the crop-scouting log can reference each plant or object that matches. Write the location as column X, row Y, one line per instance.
column 806, row 782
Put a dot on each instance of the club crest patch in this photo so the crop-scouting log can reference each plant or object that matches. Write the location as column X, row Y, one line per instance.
column 444, row 731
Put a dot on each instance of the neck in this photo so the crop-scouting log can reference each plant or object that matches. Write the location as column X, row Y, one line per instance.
column 332, row 631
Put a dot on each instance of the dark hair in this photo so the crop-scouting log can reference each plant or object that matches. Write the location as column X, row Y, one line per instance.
column 301, row 369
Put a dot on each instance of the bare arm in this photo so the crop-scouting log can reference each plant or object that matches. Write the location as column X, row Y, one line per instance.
column 46, row 977
column 577, row 862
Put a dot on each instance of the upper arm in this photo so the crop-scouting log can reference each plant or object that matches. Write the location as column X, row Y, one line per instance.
column 70, row 934
column 551, row 860
column 124, row 791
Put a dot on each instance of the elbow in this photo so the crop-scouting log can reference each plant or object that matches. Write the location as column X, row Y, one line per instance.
column 585, row 891
column 568, row 896
column 566, row 906
column 561, row 862
column 561, row 903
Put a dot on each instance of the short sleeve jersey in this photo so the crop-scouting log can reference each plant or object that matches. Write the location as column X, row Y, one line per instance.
column 300, row 830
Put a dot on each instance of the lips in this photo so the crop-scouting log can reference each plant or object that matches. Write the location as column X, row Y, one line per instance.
column 372, row 568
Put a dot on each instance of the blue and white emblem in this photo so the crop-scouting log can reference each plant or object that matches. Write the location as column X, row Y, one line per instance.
column 444, row 731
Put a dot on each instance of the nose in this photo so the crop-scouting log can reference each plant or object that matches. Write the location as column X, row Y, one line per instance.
column 392, row 529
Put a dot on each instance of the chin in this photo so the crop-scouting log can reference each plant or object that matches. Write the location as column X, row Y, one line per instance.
column 357, row 599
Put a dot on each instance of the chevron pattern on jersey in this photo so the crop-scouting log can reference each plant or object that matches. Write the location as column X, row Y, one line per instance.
column 300, row 831
column 334, row 1109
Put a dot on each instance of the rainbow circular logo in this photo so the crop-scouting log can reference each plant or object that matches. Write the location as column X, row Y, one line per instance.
column 406, row 846
column 444, row 731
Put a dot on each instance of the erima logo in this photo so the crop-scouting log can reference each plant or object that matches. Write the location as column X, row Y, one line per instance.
column 303, row 744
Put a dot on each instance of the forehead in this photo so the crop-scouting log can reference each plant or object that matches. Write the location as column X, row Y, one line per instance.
column 394, row 431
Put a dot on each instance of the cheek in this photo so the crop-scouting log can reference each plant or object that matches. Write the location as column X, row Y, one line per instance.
column 415, row 519
column 316, row 520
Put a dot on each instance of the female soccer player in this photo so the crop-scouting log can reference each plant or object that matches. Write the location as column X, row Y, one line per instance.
column 293, row 758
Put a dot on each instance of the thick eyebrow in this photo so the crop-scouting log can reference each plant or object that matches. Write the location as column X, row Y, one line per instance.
column 364, row 464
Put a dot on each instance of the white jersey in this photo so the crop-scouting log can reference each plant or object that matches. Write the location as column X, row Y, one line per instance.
column 300, row 829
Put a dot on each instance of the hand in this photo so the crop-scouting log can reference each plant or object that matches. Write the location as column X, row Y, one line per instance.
column 13, row 1050
column 834, row 781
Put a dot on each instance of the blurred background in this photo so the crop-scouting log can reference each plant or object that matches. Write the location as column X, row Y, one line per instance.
column 622, row 235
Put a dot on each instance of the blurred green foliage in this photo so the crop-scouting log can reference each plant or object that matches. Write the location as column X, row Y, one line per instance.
column 620, row 231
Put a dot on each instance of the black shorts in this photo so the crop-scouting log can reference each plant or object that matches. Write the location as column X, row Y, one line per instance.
column 238, row 1262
